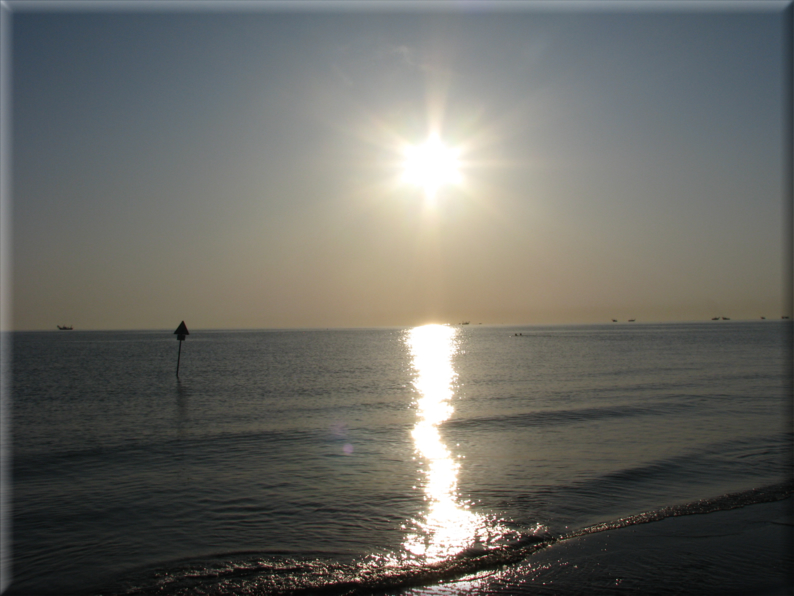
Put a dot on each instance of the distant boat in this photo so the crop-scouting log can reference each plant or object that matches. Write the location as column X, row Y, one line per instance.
column 65, row 328
column 725, row 319
column 715, row 318
column 465, row 323
column 632, row 320
column 763, row 318
column 614, row 320
column 784, row 317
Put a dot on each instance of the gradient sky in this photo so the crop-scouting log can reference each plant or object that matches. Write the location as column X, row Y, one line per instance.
column 241, row 168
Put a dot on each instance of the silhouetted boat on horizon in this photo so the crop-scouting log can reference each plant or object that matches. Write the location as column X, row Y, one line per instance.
column 65, row 327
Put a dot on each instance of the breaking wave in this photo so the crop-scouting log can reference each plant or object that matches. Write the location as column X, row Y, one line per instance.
column 258, row 574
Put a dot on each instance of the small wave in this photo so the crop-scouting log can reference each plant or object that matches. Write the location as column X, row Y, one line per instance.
column 767, row 494
column 546, row 418
column 274, row 576
column 257, row 575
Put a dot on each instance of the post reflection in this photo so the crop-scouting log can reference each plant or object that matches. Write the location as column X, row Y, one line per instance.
column 447, row 527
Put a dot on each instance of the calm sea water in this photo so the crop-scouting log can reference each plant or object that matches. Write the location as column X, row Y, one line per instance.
column 336, row 461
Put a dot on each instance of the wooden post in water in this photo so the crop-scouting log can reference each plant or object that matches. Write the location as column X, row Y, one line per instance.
column 180, row 333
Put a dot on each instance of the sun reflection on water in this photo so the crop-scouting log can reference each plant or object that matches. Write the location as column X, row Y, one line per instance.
column 448, row 527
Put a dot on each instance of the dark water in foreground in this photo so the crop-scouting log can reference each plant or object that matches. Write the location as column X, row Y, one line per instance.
column 363, row 460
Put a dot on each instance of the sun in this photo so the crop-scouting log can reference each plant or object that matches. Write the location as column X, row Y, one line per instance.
column 431, row 165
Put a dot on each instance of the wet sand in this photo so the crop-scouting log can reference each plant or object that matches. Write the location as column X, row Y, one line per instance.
column 745, row 551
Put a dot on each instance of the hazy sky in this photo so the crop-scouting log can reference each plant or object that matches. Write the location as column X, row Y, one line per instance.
column 242, row 168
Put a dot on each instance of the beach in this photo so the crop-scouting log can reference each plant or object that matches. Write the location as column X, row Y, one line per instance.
column 350, row 298
column 739, row 552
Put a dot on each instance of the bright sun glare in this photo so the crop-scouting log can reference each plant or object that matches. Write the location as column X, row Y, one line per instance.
column 431, row 165
column 448, row 527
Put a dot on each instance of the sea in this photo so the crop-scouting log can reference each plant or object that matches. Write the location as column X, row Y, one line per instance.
column 626, row 458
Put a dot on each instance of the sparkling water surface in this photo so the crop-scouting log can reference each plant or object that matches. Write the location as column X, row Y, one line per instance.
column 315, row 459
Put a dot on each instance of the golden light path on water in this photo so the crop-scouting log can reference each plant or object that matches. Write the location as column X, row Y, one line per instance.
column 448, row 526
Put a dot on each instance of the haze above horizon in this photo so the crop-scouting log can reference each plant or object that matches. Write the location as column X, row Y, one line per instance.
column 355, row 167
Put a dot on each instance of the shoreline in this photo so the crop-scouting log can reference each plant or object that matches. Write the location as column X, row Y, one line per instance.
column 740, row 551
